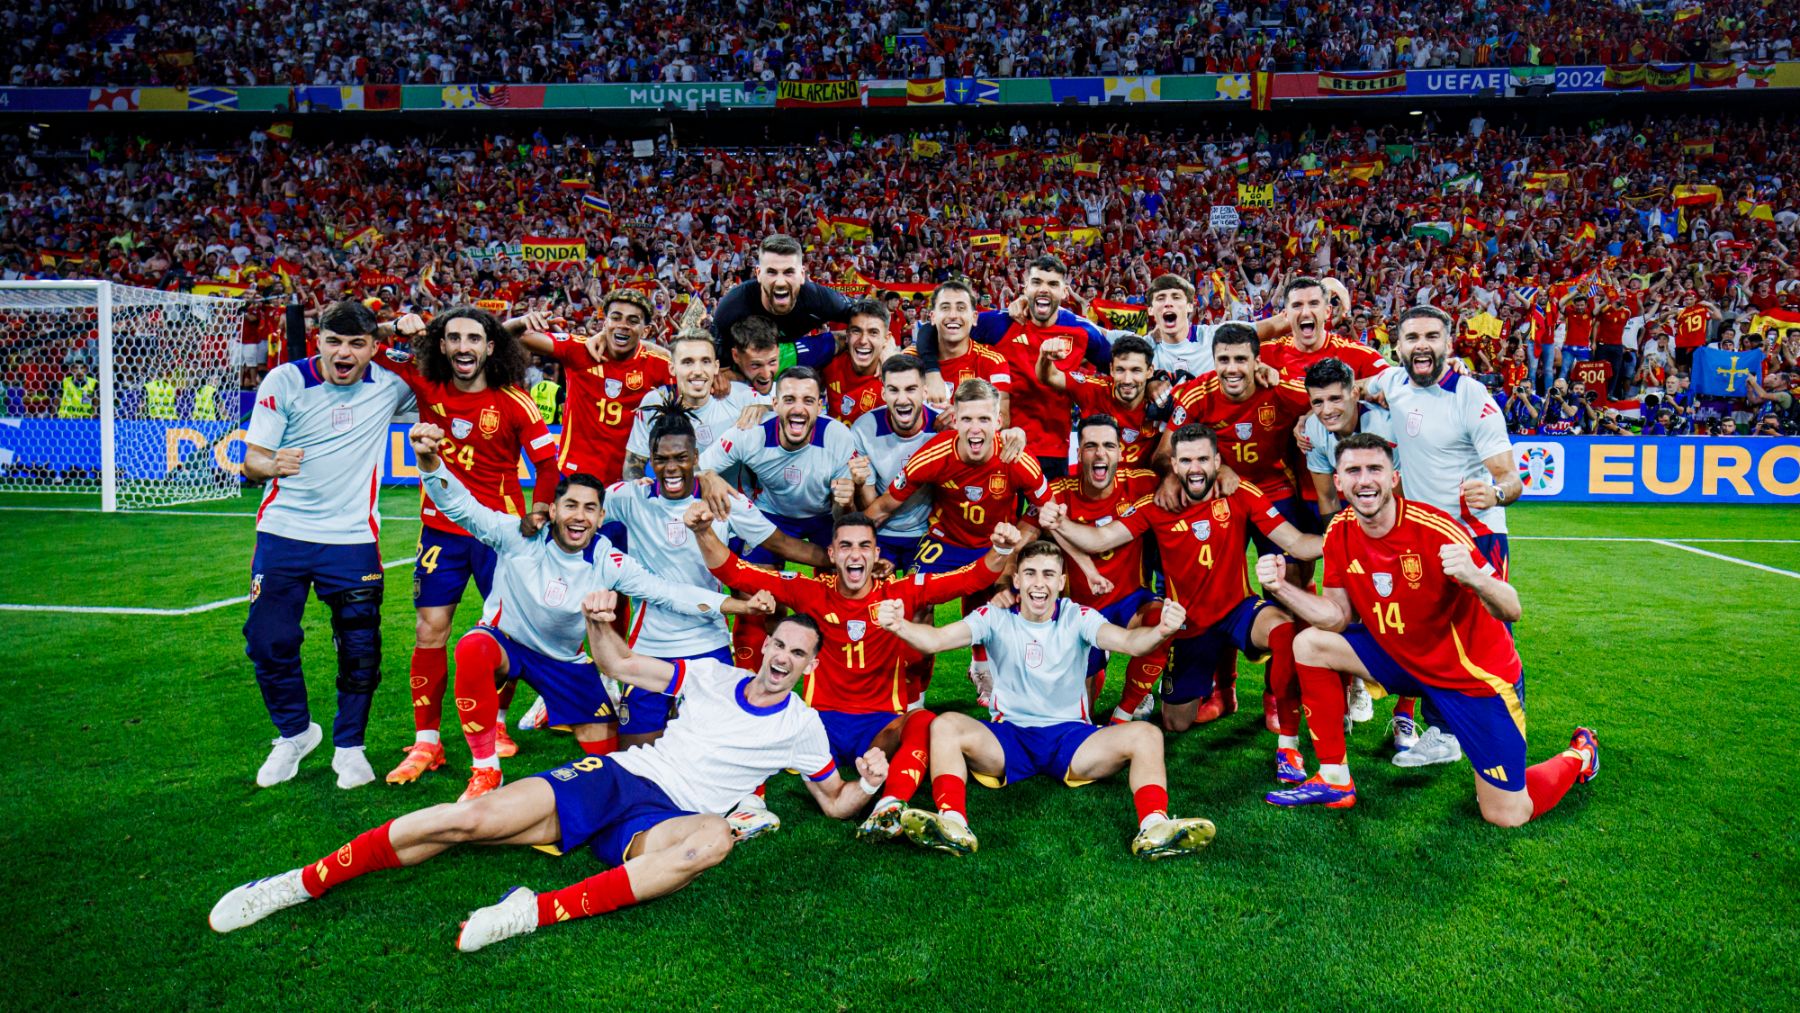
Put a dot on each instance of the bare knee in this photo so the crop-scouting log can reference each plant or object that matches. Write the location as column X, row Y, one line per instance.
column 431, row 632
column 1313, row 647
column 1507, row 812
column 705, row 847
column 461, row 822
column 1178, row 719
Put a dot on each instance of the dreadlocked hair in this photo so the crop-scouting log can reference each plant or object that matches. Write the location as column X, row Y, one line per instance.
column 671, row 418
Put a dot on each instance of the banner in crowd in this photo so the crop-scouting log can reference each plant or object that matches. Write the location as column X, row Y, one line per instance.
column 1719, row 373
column 544, row 250
column 817, row 94
column 1667, row 469
column 1261, row 196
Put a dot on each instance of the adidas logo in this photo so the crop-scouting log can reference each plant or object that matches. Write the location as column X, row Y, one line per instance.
column 1354, row 567
column 267, row 402
column 1496, row 773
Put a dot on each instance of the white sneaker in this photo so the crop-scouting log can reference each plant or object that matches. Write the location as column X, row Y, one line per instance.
column 284, row 760
column 1434, row 747
column 1362, row 705
column 752, row 818
column 1144, row 708
column 537, row 717
column 515, row 915
column 1405, row 734
column 352, row 766
column 256, row 900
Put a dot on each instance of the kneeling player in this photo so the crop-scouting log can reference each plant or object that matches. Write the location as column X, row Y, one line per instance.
column 1435, row 617
column 654, row 813
column 1041, row 725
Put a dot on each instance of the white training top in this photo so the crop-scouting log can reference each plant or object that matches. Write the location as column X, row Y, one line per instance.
column 1441, row 435
column 344, row 431
column 1193, row 356
column 712, row 420
column 659, row 539
column 888, row 453
column 719, row 748
column 792, row 483
column 1322, row 458
column 1040, row 669
column 538, row 585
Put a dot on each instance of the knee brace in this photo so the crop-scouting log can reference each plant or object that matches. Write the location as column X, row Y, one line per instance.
column 356, row 631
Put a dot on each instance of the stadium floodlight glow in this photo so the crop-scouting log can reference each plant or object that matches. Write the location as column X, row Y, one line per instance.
column 1415, row 112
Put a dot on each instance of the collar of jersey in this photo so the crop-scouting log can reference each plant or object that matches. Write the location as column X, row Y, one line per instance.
column 750, row 708
column 656, row 489
column 884, row 428
column 593, row 545
column 1055, row 611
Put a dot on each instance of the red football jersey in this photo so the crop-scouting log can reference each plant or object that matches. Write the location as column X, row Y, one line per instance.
column 1691, row 325
column 484, row 432
column 1578, row 328
column 602, row 399
column 969, row 499
column 1434, row 627
column 980, row 362
column 1124, row 566
column 848, row 395
column 1204, row 547
column 1293, row 363
column 1094, row 396
column 1039, row 409
column 1255, row 434
column 862, row 667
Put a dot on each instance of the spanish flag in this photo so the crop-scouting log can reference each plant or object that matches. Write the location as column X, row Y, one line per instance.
column 992, row 241
column 367, row 234
column 927, row 92
column 922, row 148
column 1262, row 90
column 1696, row 194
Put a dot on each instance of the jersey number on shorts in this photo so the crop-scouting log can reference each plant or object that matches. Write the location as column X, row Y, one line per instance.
column 588, row 764
column 429, row 558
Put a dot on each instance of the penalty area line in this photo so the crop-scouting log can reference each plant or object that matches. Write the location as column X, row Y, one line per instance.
column 1729, row 559
column 126, row 610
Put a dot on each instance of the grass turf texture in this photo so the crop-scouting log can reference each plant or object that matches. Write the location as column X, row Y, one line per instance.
column 1671, row 880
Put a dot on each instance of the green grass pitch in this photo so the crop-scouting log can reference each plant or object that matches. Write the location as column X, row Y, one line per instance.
column 1671, row 881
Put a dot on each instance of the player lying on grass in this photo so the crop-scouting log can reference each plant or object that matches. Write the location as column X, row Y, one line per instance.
column 1041, row 724
column 655, row 813
column 1434, row 617
column 531, row 626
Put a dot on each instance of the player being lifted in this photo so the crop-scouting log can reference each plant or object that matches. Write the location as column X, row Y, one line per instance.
column 886, row 438
column 465, row 372
column 1203, row 545
column 960, row 357
column 317, row 435
column 652, row 813
column 1410, row 604
column 1121, row 394
column 531, row 625
column 1040, row 721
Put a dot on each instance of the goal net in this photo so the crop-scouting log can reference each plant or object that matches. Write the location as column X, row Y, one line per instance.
column 127, row 392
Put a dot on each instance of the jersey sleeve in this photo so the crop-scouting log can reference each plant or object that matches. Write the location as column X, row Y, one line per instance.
column 728, row 450
column 749, row 523
column 924, row 589
column 1137, row 517
column 814, row 350
column 626, row 574
column 990, row 327
column 534, row 436
column 1335, row 562
column 812, row 753
column 1293, row 400
column 1087, row 622
column 1376, row 420
column 789, row 588
column 841, row 445
column 981, row 625
column 921, row 470
column 453, row 500
column 571, row 352
column 1029, row 476
column 637, row 444
column 1262, row 509
column 269, row 419
column 1486, row 422
column 1317, row 460
column 999, row 373
column 1090, row 393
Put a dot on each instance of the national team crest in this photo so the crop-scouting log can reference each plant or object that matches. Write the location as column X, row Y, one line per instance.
column 675, row 533
column 634, row 380
column 997, row 484
column 1130, row 435
column 489, row 422
column 791, row 474
column 1221, row 510
column 1034, row 655
column 847, row 404
column 1415, row 421
column 855, row 628
column 1412, row 567
column 1178, row 418
column 1384, row 583
column 1202, row 530
column 461, row 428
column 974, row 493
column 1265, row 416
column 556, row 592
column 256, row 587
column 343, row 418
column 613, row 387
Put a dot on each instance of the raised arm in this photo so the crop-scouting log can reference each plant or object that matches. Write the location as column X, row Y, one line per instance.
column 1086, row 537
column 1143, row 639
column 532, row 330
column 891, row 615
column 841, row 799
column 452, row 498
column 1497, row 596
column 1329, row 610
column 611, row 655
column 1048, row 372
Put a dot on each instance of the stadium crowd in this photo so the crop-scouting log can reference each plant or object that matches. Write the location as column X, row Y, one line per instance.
column 1627, row 243
column 211, row 42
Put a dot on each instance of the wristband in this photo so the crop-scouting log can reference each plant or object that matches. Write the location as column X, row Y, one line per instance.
column 868, row 789
column 998, row 551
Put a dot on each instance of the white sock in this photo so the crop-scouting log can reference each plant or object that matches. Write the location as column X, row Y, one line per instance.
column 500, row 717
column 427, row 736
column 1152, row 820
column 487, row 762
column 1287, row 742
column 884, row 801
column 953, row 816
column 1121, row 714
column 1335, row 773
column 342, row 750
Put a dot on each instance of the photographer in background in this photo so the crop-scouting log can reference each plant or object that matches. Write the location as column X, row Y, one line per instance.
column 1524, row 410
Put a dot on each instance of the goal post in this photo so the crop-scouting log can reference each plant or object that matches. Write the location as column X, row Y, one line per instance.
column 130, row 393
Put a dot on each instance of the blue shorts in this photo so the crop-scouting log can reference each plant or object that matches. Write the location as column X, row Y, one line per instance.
column 572, row 691
column 936, row 556
column 1193, row 660
column 1491, row 729
column 899, row 550
column 816, row 530
column 604, row 806
column 1294, row 510
column 645, row 712
column 1048, row 750
column 1497, row 551
column 1119, row 613
column 444, row 564
column 851, row 735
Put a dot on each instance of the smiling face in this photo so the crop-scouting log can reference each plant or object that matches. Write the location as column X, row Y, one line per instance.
column 780, row 276
column 790, row 653
column 1365, row 480
column 695, row 367
column 903, row 392
column 1044, row 292
column 1171, row 314
column 673, row 460
column 1130, row 374
column 466, row 345
column 758, row 366
column 343, row 358
column 1309, row 312
column 1236, row 366
column 866, row 341
column 1335, row 407
column 575, row 517
column 1098, row 454
column 621, row 332
column 853, row 553
column 1196, row 466
column 953, row 314
column 797, row 405
column 1424, row 348
column 1038, row 582
column 976, row 423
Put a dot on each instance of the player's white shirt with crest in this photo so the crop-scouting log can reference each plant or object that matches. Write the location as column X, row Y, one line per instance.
column 719, row 748
column 1040, row 669
column 538, row 585
column 1193, row 356
column 344, row 431
column 712, row 420
column 792, row 483
column 1322, row 458
column 664, row 545
column 1441, row 434
column 888, row 453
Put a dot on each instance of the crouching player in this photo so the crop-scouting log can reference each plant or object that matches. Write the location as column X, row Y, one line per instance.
column 1041, row 724
column 653, row 813
column 1434, row 624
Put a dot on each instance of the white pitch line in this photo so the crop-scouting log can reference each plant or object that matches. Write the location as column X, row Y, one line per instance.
column 1730, row 559
column 1654, row 541
column 161, row 513
column 126, row 610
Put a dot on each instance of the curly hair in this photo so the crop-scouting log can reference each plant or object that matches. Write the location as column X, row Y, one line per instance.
column 505, row 364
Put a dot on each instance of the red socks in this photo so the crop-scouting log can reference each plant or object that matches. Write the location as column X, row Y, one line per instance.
column 1404, row 705
column 1282, row 680
column 1322, row 691
column 595, row 895
column 908, row 766
column 600, row 748
column 430, row 670
column 368, row 852
column 1141, row 676
column 1549, row 781
column 1151, row 799
column 747, row 636
column 952, row 794
column 477, row 700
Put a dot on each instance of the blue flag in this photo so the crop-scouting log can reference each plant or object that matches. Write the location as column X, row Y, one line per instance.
column 1718, row 373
